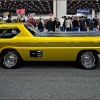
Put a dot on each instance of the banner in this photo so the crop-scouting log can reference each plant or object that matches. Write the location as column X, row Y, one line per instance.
column 20, row 11
column 83, row 11
column 30, row 15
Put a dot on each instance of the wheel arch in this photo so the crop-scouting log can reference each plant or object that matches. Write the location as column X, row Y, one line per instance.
column 95, row 51
column 6, row 49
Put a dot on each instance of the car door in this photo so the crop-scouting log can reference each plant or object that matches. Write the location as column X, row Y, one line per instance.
column 51, row 49
column 56, row 48
column 7, row 37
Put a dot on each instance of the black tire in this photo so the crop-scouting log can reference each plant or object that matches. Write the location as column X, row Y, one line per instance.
column 7, row 55
column 92, row 56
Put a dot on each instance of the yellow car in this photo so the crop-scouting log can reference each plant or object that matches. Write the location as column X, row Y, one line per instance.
column 22, row 42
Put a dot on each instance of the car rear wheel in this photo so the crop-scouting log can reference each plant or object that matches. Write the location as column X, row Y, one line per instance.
column 88, row 59
column 10, row 59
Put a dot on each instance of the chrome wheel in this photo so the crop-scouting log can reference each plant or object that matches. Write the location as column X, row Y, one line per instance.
column 88, row 60
column 10, row 59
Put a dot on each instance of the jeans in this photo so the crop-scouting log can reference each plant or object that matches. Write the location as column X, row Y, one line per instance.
column 99, row 27
column 57, row 30
column 85, row 28
column 82, row 28
column 68, row 29
column 41, row 30
column 62, row 28
column 75, row 29
column 49, row 30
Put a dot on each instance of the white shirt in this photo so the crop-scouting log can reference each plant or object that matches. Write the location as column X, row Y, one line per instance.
column 62, row 21
column 68, row 23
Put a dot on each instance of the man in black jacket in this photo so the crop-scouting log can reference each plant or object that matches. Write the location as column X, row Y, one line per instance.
column 9, row 19
column 64, row 26
column 75, row 24
column 49, row 25
column 54, row 23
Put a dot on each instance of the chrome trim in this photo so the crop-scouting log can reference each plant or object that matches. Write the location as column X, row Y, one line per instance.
column 88, row 60
column 39, row 54
column 10, row 60
column 46, row 42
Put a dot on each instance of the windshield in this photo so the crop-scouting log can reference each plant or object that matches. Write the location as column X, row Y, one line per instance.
column 32, row 29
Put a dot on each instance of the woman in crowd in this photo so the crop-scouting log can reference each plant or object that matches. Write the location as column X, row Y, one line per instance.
column 95, row 29
column 19, row 19
column 40, row 25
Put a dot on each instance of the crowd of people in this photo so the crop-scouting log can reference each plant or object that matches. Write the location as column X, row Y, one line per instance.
column 64, row 24
column 73, row 24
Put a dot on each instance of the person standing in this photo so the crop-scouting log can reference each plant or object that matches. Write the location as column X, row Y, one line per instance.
column 42, row 20
column 34, row 22
column 31, row 21
column 62, row 21
column 49, row 25
column 19, row 19
column 95, row 29
column 40, row 26
column 95, row 22
column 64, row 26
column 75, row 24
column 57, row 26
column 99, row 24
column 68, row 24
column 9, row 19
column 91, row 25
column 54, row 23
column 82, row 23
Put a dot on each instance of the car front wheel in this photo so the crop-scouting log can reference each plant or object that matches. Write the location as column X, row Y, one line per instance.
column 88, row 59
column 10, row 59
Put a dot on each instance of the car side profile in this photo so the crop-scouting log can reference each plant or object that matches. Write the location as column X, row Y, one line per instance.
column 22, row 42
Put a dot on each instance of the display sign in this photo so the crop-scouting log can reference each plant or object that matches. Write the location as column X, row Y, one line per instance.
column 30, row 15
column 83, row 11
column 5, row 14
column 20, row 11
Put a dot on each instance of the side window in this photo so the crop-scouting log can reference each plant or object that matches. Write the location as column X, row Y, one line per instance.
column 10, row 33
column 2, row 31
column 30, row 29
